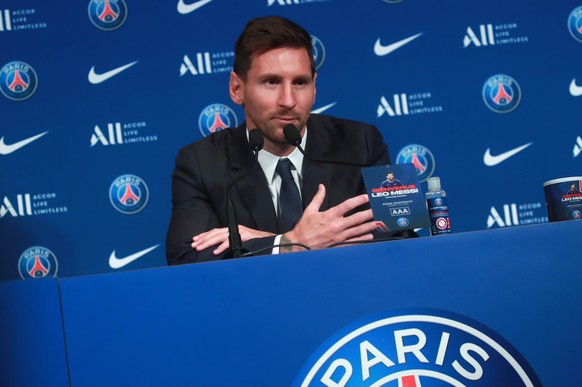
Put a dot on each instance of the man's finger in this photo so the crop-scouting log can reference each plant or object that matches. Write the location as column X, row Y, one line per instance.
column 362, row 238
column 208, row 234
column 360, row 232
column 349, row 204
column 222, row 248
column 210, row 238
column 358, row 218
column 317, row 200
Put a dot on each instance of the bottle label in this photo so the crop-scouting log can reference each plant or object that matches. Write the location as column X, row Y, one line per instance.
column 438, row 212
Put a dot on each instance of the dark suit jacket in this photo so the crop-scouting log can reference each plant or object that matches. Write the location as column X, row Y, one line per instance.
column 205, row 168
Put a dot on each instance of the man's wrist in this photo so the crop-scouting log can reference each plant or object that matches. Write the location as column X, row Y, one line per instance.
column 285, row 241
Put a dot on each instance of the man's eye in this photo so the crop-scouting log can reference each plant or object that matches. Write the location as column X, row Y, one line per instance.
column 272, row 82
column 301, row 82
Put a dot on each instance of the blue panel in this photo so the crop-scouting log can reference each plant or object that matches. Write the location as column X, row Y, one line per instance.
column 32, row 343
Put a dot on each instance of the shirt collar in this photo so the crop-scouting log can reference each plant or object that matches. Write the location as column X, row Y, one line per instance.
column 268, row 161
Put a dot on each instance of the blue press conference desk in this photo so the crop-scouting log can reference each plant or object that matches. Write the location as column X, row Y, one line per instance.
column 258, row 321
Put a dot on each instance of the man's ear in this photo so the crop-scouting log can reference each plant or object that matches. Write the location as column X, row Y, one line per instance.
column 236, row 88
column 314, row 88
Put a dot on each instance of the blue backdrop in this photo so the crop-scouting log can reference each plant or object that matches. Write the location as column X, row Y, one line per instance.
column 98, row 96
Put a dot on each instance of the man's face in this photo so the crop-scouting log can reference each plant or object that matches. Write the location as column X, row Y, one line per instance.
column 278, row 90
column 390, row 177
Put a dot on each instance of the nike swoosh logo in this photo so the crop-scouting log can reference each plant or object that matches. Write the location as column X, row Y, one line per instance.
column 381, row 50
column 185, row 9
column 7, row 149
column 95, row 78
column 575, row 90
column 578, row 147
column 323, row 108
column 117, row 263
column 492, row 161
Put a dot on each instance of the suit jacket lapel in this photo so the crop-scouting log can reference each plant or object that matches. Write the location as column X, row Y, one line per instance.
column 252, row 188
column 315, row 173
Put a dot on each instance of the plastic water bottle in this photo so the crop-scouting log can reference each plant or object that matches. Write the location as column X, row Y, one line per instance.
column 438, row 211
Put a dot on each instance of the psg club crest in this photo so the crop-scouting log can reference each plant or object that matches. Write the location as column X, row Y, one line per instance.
column 421, row 157
column 318, row 51
column 216, row 117
column 107, row 15
column 403, row 222
column 501, row 93
column 575, row 24
column 37, row 262
column 128, row 194
column 18, row 80
column 417, row 347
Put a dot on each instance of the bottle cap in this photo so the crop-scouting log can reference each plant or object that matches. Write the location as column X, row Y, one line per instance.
column 434, row 183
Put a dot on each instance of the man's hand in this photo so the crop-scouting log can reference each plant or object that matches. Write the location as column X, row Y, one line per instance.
column 219, row 236
column 322, row 229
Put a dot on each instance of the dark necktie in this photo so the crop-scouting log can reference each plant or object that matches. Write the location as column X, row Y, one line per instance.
column 289, row 197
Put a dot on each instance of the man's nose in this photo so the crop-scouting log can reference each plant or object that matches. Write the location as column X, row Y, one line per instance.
column 287, row 96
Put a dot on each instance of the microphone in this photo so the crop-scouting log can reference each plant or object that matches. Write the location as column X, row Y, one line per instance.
column 256, row 142
column 293, row 137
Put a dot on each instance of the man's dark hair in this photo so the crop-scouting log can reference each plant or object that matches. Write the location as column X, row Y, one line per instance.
column 267, row 33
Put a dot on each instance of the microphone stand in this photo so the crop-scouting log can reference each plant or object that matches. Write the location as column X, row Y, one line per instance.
column 256, row 141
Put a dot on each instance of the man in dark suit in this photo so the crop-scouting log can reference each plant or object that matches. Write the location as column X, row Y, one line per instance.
column 274, row 80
